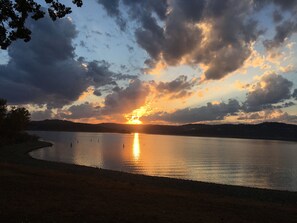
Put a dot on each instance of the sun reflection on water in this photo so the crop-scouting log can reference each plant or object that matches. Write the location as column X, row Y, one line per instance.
column 136, row 147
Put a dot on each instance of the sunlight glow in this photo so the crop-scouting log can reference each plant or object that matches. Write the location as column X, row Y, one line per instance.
column 134, row 120
column 136, row 147
column 87, row 93
column 134, row 117
column 158, row 68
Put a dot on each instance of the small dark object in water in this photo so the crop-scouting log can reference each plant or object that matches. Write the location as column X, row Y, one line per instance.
column 71, row 144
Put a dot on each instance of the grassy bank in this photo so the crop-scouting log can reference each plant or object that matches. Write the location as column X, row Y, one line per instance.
column 40, row 191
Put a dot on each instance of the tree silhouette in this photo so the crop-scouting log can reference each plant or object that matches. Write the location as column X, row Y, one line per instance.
column 3, row 111
column 13, row 123
column 14, row 13
column 17, row 119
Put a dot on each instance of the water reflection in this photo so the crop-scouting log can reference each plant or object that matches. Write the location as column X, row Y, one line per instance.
column 255, row 163
column 136, row 147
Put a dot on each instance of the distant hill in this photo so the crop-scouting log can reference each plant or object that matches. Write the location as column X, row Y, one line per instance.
column 67, row 126
column 276, row 131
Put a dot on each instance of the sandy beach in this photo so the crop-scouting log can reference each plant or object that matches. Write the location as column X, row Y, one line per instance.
column 40, row 191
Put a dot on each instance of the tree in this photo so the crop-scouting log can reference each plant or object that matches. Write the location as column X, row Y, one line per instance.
column 17, row 119
column 14, row 13
column 13, row 121
column 3, row 111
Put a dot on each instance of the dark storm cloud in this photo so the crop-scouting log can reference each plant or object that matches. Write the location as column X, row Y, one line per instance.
column 97, row 92
column 271, row 89
column 150, row 37
column 210, row 112
column 45, row 71
column 85, row 110
column 100, row 73
column 173, row 35
column 111, row 6
column 285, row 105
column 283, row 31
column 223, row 53
column 112, row 9
column 138, row 8
column 284, row 4
column 178, row 88
column 125, row 100
column 277, row 16
column 288, row 27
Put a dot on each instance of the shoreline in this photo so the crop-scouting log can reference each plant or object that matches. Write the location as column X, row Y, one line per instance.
column 16, row 165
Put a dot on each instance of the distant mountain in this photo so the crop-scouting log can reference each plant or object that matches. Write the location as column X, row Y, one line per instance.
column 276, row 131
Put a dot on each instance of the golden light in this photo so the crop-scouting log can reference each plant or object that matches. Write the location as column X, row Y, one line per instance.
column 134, row 116
column 206, row 28
column 136, row 147
column 134, row 120
column 215, row 103
column 86, row 94
column 158, row 68
column 263, row 84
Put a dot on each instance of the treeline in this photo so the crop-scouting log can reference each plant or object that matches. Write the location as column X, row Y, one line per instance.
column 13, row 123
column 273, row 131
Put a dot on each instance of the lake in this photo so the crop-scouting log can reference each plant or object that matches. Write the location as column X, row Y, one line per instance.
column 245, row 162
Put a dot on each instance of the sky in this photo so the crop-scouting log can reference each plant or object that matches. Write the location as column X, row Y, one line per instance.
column 158, row 62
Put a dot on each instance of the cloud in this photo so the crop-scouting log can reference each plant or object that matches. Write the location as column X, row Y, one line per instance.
column 45, row 71
column 283, row 31
column 178, row 88
column 112, row 9
column 85, row 110
column 277, row 16
column 264, row 101
column 284, row 28
column 294, row 95
column 285, row 4
column 210, row 112
column 269, row 90
column 41, row 115
column 270, row 115
column 218, row 34
column 100, row 73
column 121, row 100
column 125, row 100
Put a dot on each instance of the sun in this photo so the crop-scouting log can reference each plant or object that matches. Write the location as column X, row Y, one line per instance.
column 135, row 116
column 134, row 120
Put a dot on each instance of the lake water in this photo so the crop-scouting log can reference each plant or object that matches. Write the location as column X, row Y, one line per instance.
column 245, row 162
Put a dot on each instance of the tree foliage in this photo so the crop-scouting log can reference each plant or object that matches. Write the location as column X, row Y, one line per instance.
column 14, row 13
column 17, row 119
column 3, row 111
column 13, row 120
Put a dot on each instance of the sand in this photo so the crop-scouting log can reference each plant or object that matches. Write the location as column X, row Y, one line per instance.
column 41, row 191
